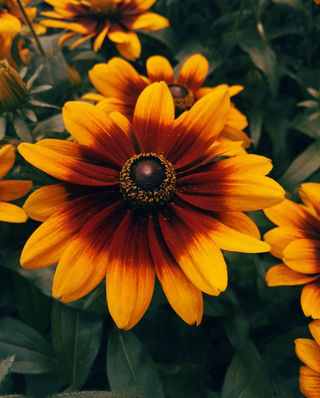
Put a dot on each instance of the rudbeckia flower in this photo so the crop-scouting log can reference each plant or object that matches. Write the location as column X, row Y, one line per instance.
column 142, row 199
column 11, row 190
column 120, row 85
column 308, row 351
column 116, row 19
column 296, row 242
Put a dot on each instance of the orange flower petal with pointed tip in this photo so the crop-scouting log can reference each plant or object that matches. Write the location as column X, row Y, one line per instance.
column 280, row 275
column 12, row 213
column 193, row 72
column 310, row 299
column 159, row 69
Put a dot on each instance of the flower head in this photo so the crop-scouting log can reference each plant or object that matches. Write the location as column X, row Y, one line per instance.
column 120, row 86
column 116, row 19
column 11, row 190
column 140, row 200
column 296, row 242
column 308, row 351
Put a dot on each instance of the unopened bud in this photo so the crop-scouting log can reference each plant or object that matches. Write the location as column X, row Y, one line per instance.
column 13, row 90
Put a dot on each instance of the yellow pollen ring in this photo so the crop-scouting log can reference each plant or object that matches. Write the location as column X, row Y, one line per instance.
column 104, row 8
column 141, row 198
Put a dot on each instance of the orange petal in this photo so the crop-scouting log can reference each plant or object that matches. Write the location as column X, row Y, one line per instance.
column 101, row 36
column 84, row 263
column 292, row 214
column 7, row 158
column 198, row 129
column 314, row 328
column 117, row 79
column 94, row 97
column 12, row 213
column 9, row 23
column 182, row 295
column 308, row 352
column 92, row 127
column 139, row 5
column 159, row 69
column 303, row 255
column 81, row 40
column 236, row 119
column 68, row 168
column 109, row 105
column 279, row 238
column 145, row 21
column 240, row 222
column 153, row 117
column 281, row 275
column 117, row 34
column 194, row 250
column 310, row 195
column 193, row 72
column 11, row 190
column 45, row 201
column 130, row 273
column 131, row 49
column 47, row 244
column 309, row 382
column 310, row 299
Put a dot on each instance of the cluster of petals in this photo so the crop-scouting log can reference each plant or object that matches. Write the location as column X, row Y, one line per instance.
column 119, row 86
column 11, row 189
column 296, row 241
column 308, row 351
column 115, row 19
column 92, row 232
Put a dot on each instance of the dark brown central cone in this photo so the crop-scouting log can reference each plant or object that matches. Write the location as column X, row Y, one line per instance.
column 148, row 174
column 103, row 8
column 178, row 91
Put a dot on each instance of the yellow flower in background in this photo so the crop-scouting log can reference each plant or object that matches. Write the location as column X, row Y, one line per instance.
column 120, row 85
column 11, row 189
column 296, row 242
column 143, row 199
column 115, row 19
column 308, row 351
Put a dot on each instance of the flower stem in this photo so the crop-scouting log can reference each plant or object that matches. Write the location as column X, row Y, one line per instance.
column 31, row 28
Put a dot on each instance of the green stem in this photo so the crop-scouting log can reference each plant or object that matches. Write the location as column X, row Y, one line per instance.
column 31, row 29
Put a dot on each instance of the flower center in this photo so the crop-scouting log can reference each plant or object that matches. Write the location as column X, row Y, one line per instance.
column 3, row 3
column 103, row 8
column 147, row 181
column 182, row 97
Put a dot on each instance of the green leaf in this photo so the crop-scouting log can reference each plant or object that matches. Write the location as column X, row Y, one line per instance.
column 76, row 339
column 237, row 330
column 245, row 376
column 21, row 128
column 42, row 278
column 292, row 3
column 54, row 124
column 5, row 367
column 255, row 124
column 130, row 367
column 166, row 36
column 33, row 352
column 95, row 394
column 302, row 167
column 303, row 124
column 261, row 55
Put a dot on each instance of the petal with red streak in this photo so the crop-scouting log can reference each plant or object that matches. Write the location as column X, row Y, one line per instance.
column 309, row 382
column 11, row 190
column 194, row 72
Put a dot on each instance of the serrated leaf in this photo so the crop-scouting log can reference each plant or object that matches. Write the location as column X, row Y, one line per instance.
column 95, row 394
column 53, row 124
column 302, row 167
column 130, row 367
column 21, row 128
column 5, row 367
column 33, row 353
column 261, row 55
column 245, row 376
column 76, row 339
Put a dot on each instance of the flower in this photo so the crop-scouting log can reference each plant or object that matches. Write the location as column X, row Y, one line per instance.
column 120, row 86
column 141, row 199
column 11, row 190
column 308, row 351
column 16, row 97
column 296, row 242
column 116, row 19
column 8, row 23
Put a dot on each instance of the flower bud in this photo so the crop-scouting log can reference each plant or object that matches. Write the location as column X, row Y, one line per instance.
column 13, row 90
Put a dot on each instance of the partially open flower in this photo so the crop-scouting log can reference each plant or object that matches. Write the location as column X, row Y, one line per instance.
column 13, row 90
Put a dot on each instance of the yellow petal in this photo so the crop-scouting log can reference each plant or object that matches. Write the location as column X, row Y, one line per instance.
column 12, row 213
column 9, row 23
column 131, row 49
column 281, row 275
column 310, row 195
column 308, row 352
column 159, row 69
column 193, row 72
column 7, row 158
column 309, row 382
column 11, row 190
column 310, row 299
column 303, row 255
